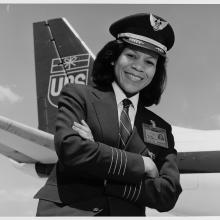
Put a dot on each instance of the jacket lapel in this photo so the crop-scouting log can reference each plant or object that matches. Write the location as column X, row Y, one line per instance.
column 106, row 109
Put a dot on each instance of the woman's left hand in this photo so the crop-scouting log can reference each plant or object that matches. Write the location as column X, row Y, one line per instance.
column 83, row 130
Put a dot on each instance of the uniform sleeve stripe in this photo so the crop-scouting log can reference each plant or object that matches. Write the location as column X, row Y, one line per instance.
column 111, row 161
column 120, row 163
column 124, row 191
column 128, row 192
column 139, row 191
column 134, row 192
column 125, row 164
column 116, row 161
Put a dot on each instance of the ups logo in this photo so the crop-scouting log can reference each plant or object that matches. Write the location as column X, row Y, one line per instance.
column 70, row 69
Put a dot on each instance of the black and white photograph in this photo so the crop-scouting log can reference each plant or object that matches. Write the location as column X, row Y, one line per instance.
column 109, row 109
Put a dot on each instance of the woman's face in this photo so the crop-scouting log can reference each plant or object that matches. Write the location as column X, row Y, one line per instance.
column 134, row 70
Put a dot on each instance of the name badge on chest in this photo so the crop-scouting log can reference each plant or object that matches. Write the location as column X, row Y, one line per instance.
column 155, row 135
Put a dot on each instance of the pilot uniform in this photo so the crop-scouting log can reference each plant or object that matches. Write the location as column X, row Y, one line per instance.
column 99, row 178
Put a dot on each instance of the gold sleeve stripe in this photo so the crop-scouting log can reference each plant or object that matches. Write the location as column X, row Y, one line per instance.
column 111, row 161
column 116, row 161
column 129, row 192
column 139, row 191
column 134, row 192
column 124, row 191
column 125, row 163
column 120, row 163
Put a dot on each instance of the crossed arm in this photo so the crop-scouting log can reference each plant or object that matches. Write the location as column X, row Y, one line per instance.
column 152, row 191
column 84, row 131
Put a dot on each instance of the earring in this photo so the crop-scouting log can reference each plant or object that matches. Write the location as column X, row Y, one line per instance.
column 112, row 63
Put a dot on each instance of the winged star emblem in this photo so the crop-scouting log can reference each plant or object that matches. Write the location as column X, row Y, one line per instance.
column 157, row 23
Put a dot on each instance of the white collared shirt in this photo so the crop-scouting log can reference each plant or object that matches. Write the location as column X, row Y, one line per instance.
column 120, row 96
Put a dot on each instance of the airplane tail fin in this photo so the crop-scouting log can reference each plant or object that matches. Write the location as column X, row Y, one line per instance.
column 61, row 57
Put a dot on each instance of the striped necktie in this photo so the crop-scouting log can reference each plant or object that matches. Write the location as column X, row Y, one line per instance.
column 125, row 127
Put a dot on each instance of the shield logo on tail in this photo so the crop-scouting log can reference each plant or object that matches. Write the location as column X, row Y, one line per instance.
column 71, row 69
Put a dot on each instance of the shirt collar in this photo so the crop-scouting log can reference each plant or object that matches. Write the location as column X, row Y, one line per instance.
column 119, row 94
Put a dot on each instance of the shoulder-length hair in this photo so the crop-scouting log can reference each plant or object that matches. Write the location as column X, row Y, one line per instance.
column 103, row 72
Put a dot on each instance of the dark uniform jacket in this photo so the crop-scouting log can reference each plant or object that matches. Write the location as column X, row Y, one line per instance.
column 95, row 177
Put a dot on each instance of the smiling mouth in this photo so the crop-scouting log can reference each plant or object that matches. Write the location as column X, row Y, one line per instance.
column 133, row 77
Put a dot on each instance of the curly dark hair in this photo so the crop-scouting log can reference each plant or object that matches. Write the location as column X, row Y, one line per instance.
column 103, row 72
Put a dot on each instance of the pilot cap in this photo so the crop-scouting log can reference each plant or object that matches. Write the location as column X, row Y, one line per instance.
column 146, row 31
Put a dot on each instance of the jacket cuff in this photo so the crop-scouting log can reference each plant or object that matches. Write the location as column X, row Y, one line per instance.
column 125, row 167
column 130, row 192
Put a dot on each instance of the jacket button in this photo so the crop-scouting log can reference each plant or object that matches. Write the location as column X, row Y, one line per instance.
column 95, row 209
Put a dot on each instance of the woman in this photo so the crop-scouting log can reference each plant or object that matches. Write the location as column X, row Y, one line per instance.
column 116, row 157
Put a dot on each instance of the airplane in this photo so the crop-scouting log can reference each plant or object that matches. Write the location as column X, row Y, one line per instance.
column 62, row 57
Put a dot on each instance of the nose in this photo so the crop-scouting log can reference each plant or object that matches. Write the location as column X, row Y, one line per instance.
column 138, row 66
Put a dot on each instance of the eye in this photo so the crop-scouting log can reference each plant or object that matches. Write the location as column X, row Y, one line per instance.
column 131, row 55
column 150, row 62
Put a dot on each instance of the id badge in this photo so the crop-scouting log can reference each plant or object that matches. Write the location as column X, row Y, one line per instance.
column 155, row 135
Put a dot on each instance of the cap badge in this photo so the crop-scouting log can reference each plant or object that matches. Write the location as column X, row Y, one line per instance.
column 157, row 23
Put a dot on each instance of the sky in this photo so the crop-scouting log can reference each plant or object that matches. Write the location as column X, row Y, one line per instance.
column 191, row 98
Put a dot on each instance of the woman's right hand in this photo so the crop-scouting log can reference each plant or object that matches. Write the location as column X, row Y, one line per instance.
column 150, row 167
column 83, row 130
